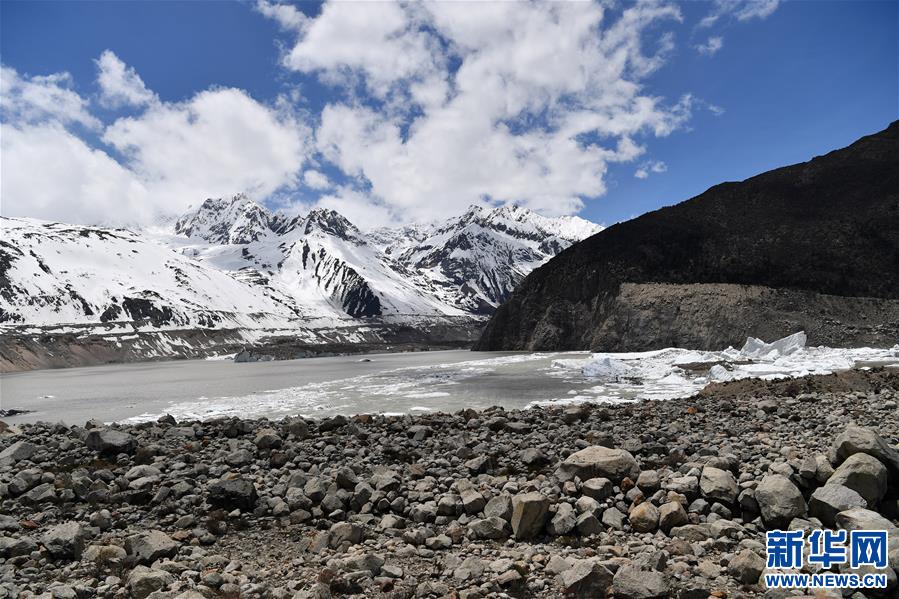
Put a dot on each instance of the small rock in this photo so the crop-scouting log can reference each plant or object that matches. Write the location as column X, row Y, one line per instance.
column 644, row 517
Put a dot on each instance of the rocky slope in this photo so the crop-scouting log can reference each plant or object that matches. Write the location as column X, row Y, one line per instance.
column 817, row 241
column 631, row 501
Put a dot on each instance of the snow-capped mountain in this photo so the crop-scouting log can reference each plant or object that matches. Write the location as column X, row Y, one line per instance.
column 477, row 260
column 233, row 263
column 227, row 221
column 51, row 274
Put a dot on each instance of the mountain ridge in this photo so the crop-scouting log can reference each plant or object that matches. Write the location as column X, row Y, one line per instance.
column 317, row 265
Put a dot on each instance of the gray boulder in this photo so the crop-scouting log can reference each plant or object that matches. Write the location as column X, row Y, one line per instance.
column 499, row 507
column 779, row 501
column 863, row 474
column 827, row 501
column 104, row 556
column 18, row 451
column 685, row 485
column 585, row 579
column 13, row 547
column 143, row 581
column 489, row 528
column 529, row 512
column 861, row 519
column 345, row 532
column 597, row 488
column 718, row 485
column 472, row 501
column 630, row 582
column 613, row 518
column 672, row 514
column 564, row 520
column 232, row 493
column 110, row 442
column 148, row 547
column 65, row 540
column 599, row 462
column 856, row 439
column 747, row 566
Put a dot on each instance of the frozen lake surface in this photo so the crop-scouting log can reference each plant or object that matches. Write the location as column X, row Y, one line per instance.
column 404, row 382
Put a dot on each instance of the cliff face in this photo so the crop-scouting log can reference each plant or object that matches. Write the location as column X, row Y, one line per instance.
column 805, row 244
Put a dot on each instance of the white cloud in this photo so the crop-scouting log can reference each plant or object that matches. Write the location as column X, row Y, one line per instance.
column 540, row 98
column 380, row 40
column 316, row 180
column 51, row 174
column 40, row 99
column 742, row 10
column 120, row 85
column 216, row 143
column 652, row 166
column 287, row 16
column 712, row 46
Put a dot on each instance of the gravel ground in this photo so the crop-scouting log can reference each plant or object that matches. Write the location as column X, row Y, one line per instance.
column 649, row 499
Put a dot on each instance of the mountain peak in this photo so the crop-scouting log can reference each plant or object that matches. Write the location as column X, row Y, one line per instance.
column 331, row 222
column 234, row 220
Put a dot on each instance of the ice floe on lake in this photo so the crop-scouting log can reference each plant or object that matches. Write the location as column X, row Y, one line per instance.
column 675, row 372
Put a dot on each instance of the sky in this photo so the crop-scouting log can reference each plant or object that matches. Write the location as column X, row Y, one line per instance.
column 123, row 112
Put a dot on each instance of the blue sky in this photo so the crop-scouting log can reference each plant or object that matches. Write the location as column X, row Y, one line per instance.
column 423, row 112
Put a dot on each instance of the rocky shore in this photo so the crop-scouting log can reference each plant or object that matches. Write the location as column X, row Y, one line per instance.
column 631, row 501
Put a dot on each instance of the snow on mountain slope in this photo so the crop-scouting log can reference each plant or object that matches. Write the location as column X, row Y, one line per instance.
column 466, row 265
column 231, row 262
column 335, row 259
column 475, row 261
column 52, row 273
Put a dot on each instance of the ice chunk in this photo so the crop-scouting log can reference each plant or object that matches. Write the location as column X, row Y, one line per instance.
column 719, row 373
column 606, row 369
column 758, row 349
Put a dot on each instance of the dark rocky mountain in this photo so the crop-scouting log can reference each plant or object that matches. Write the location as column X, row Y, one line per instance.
column 812, row 246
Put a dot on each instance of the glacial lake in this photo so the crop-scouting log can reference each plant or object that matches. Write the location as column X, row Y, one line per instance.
column 403, row 383
column 316, row 387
